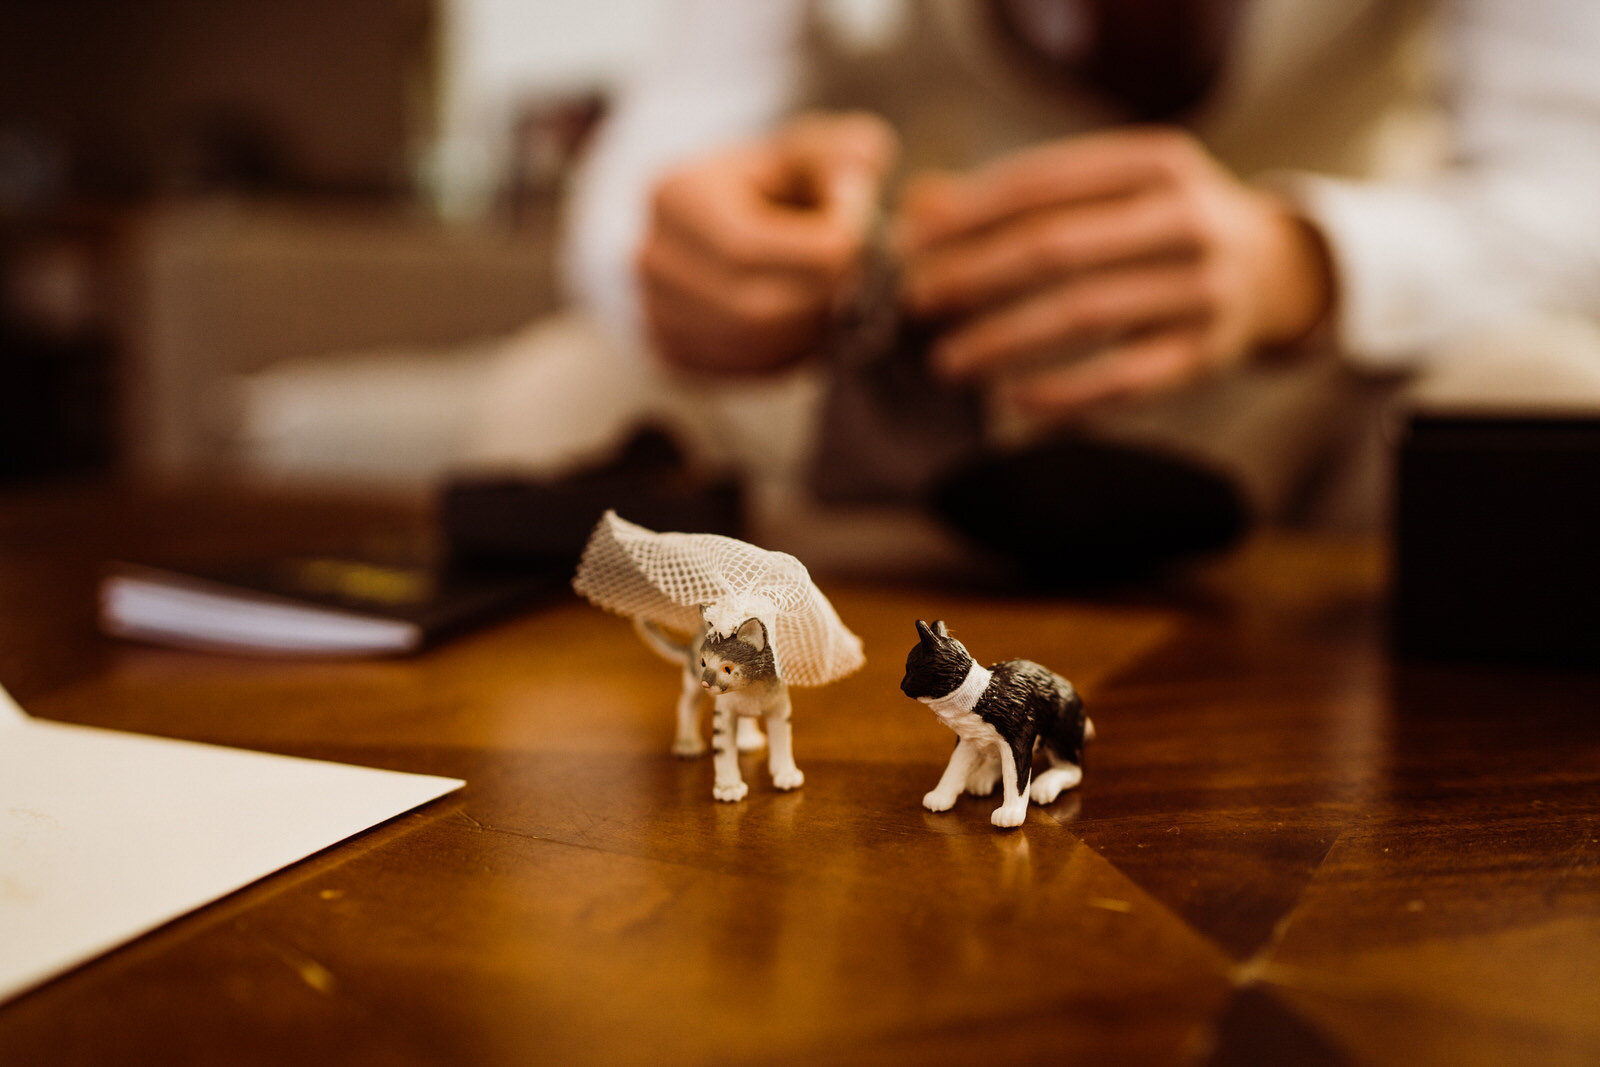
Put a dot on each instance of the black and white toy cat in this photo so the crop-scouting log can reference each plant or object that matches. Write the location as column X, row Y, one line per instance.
column 739, row 673
column 999, row 715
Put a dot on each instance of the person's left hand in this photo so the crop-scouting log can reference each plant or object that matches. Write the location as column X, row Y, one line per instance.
column 1106, row 266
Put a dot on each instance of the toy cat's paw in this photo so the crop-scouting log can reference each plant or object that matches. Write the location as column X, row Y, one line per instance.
column 937, row 801
column 789, row 778
column 1053, row 782
column 689, row 747
column 730, row 791
column 1009, row 815
column 748, row 736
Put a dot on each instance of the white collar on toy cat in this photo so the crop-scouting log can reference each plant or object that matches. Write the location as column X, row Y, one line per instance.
column 964, row 697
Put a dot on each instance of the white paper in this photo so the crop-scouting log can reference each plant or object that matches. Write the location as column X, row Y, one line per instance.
column 105, row 835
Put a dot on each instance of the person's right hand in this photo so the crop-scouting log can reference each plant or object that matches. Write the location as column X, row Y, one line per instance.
column 1107, row 267
column 748, row 250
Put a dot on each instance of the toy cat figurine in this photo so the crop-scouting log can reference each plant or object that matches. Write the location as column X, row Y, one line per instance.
column 740, row 674
column 999, row 714
column 689, row 742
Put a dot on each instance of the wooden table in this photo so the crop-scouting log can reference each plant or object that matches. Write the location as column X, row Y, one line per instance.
column 1289, row 847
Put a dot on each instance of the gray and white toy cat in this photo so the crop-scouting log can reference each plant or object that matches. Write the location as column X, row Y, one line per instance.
column 999, row 715
column 740, row 675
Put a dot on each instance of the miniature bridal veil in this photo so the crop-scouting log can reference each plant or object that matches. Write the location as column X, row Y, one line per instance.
column 679, row 580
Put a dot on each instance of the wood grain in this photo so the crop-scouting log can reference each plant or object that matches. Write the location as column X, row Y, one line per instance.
column 1288, row 848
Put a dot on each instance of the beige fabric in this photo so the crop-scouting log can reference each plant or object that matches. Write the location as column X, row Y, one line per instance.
column 956, row 102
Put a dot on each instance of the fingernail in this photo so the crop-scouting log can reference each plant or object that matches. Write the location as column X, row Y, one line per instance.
column 855, row 196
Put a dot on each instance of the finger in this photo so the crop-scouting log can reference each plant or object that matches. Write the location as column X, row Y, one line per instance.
column 1073, row 313
column 850, row 198
column 1156, row 362
column 1117, row 163
column 977, row 270
column 688, row 335
column 731, row 218
column 703, row 318
column 685, row 337
column 750, row 297
column 845, row 158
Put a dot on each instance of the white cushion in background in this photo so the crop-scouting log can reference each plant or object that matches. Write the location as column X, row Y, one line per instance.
column 392, row 419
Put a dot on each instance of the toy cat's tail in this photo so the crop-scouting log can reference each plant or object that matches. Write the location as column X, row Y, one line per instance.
column 664, row 646
column 1071, row 728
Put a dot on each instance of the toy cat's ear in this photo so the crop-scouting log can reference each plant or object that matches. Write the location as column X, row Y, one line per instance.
column 923, row 631
column 751, row 632
column 939, row 628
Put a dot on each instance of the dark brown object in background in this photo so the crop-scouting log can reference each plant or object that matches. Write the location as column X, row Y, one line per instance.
column 513, row 521
column 1497, row 540
column 178, row 96
column 1153, row 60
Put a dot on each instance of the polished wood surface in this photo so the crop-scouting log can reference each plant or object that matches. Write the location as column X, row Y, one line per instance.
column 1289, row 847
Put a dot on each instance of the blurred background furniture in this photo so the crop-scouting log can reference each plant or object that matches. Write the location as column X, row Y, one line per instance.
column 192, row 192
column 223, row 290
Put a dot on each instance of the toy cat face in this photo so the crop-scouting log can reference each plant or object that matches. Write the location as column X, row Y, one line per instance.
column 936, row 665
column 736, row 661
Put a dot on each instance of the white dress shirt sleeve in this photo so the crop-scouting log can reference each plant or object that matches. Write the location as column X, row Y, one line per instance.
column 1511, row 228
column 720, row 70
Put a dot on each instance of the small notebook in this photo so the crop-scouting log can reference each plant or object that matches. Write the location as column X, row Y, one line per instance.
column 310, row 605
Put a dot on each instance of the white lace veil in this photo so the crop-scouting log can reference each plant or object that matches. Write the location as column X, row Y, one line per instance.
column 668, row 578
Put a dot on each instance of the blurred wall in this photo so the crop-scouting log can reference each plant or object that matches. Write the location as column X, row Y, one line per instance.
column 168, row 95
column 498, row 58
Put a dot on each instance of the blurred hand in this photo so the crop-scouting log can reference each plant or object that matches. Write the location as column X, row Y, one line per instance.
column 1106, row 266
column 749, row 249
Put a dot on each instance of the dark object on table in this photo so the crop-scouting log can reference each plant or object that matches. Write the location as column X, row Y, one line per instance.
column 1497, row 540
column 1077, row 513
column 889, row 430
column 314, row 605
column 516, row 522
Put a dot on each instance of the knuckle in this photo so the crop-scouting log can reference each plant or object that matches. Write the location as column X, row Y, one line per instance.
column 874, row 135
column 1175, row 154
column 1190, row 205
column 1192, row 222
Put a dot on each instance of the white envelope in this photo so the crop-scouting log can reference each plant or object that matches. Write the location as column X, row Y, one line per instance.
column 105, row 835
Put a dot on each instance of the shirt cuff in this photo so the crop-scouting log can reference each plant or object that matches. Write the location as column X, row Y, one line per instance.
column 1403, row 269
